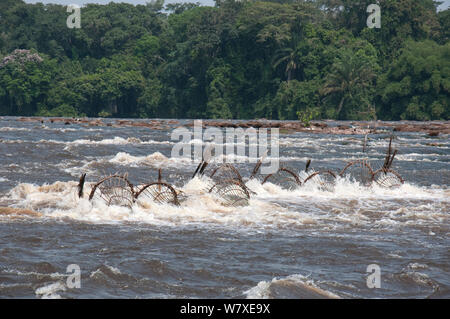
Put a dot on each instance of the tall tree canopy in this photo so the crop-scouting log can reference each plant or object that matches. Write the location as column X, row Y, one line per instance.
column 239, row 59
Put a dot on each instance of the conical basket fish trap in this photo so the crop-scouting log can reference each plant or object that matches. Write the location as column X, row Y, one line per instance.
column 158, row 192
column 225, row 172
column 114, row 190
column 231, row 192
column 360, row 171
column 388, row 178
column 325, row 180
column 284, row 177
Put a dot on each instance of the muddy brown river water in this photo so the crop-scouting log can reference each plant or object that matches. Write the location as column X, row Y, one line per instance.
column 287, row 243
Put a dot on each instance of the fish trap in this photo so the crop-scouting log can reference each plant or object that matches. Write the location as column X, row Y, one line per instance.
column 360, row 170
column 325, row 180
column 388, row 178
column 232, row 192
column 284, row 177
column 159, row 192
column 114, row 190
column 225, row 172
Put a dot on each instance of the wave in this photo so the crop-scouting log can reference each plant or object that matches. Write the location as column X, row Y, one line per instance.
column 155, row 159
column 290, row 287
column 14, row 129
column 109, row 141
column 117, row 141
column 45, row 127
column 414, row 157
column 2, row 141
column 271, row 207
column 226, row 158
column 91, row 164
column 64, row 130
column 50, row 291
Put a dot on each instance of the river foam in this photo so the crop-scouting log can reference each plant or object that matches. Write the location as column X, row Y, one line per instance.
column 270, row 207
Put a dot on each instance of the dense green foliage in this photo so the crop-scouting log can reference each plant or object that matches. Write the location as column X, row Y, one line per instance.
column 285, row 59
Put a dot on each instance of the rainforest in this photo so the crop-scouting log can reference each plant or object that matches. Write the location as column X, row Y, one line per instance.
column 282, row 60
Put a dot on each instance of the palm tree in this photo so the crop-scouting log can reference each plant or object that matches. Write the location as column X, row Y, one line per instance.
column 288, row 56
column 349, row 74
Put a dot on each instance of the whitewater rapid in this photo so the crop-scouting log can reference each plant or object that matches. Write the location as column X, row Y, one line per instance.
column 307, row 241
column 270, row 206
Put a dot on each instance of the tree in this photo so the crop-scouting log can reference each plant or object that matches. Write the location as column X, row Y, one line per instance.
column 178, row 8
column 287, row 56
column 350, row 80
column 297, row 97
column 219, row 99
column 417, row 84
column 25, row 78
column 240, row 59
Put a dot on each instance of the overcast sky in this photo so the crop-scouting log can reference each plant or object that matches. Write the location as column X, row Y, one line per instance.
column 444, row 6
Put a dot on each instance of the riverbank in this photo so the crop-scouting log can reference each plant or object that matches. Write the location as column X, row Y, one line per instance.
column 432, row 128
